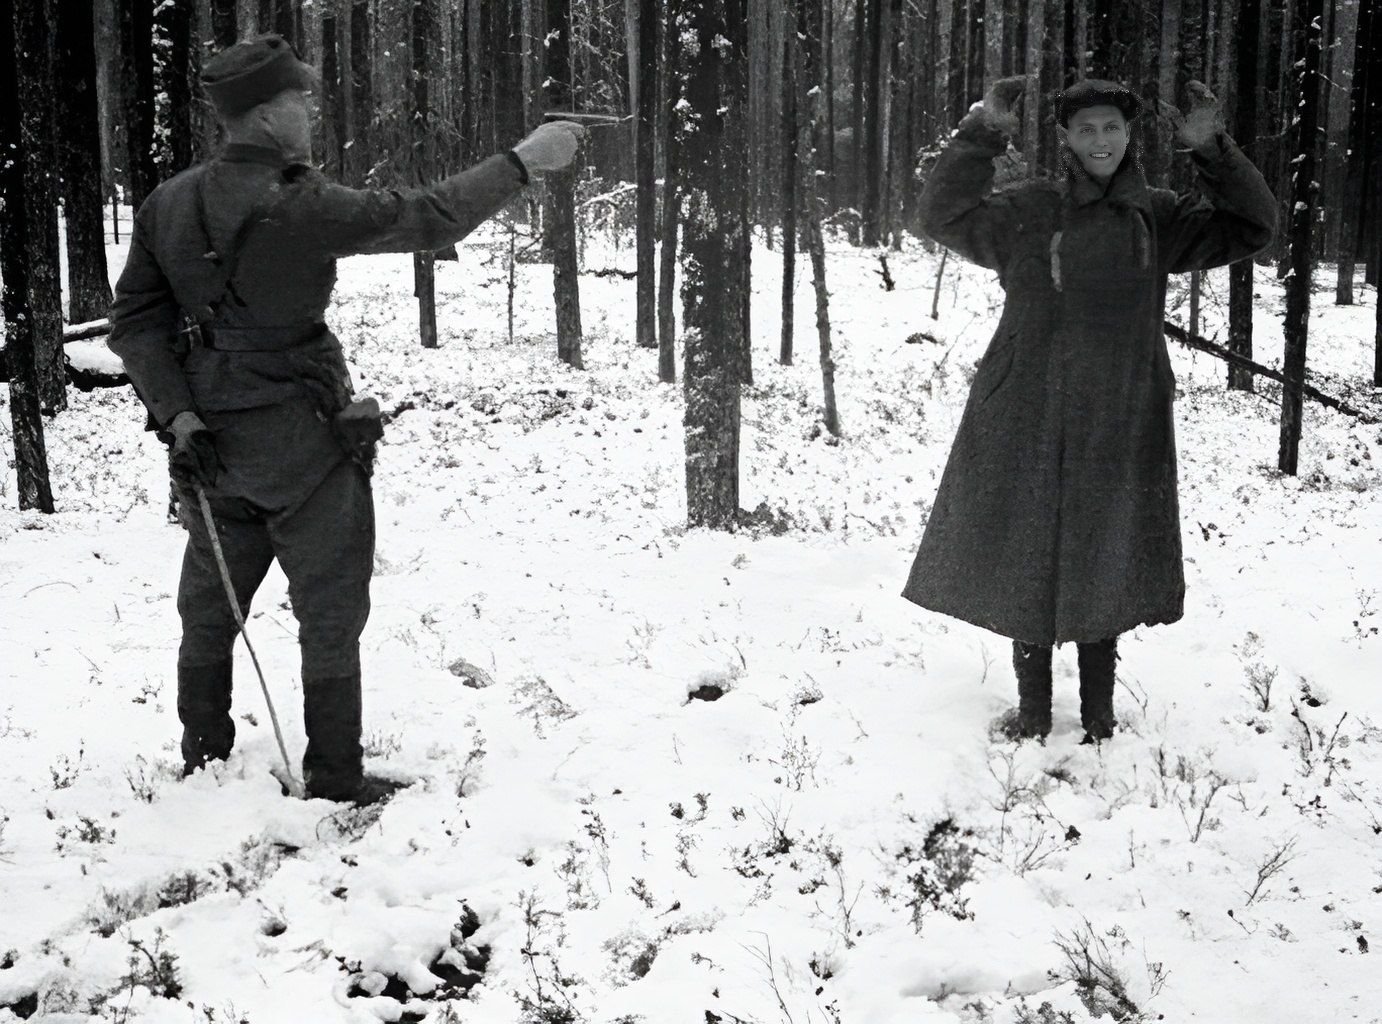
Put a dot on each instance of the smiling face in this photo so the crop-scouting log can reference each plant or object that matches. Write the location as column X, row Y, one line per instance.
column 1098, row 136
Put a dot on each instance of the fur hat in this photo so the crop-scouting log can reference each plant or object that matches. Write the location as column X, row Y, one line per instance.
column 1094, row 92
column 252, row 71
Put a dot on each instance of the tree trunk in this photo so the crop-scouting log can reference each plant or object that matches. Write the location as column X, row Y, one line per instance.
column 789, row 194
column 1303, row 135
column 1346, row 140
column 425, row 29
column 361, row 92
column 647, row 180
column 993, row 40
column 859, row 80
column 79, row 153
column 1036, row 30
column 875, row 138
column 333, row 96
column 225, row 27
column 669, row 80
column 1240, row 275
column 178, row 76
column 137, row 93
column 31, row 303
column 810, row 16
column 561, row 193
column 715, row 177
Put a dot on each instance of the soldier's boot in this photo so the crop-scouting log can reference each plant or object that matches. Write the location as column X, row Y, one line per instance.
column 208, row 731
column 1032, row 664
column 1097, row 677
column 332, row 766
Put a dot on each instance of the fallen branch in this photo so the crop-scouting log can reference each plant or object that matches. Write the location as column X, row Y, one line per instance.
column 1194, row 341
column 90, row 329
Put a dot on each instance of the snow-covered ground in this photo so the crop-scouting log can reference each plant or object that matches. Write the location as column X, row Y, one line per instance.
column 837, row 839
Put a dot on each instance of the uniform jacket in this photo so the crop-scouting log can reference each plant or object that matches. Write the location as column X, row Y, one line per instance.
column 273, row 374
column 1057, row 516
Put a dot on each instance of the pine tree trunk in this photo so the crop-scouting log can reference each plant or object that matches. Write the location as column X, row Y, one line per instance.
column 361, row 92
column 876, row 138
column 137, row 94
column 32, row 298
column 789, row 195
column 646, row 303
column 811, row 14
column 177, row 20
column 714, row 173
column 1036, row 29
column 1303, row 135
column 1342, row 111
column 225, row 27
column 425, row 29
column 333, row 93
column 285, row 21
column 561, row 197
column 669, row 82
column 993, row 40
column 79, row 137
column 859, row 81
column 1240, row 275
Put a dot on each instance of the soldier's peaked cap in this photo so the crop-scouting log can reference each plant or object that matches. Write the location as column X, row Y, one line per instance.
column 244, row 75
column 1095, row 92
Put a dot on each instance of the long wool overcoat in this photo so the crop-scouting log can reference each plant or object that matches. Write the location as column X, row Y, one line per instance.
column 1057, row 517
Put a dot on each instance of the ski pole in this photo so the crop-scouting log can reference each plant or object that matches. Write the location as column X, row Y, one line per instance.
column 294, row 786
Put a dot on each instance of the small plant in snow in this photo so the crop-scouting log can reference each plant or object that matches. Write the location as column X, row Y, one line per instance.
column 86, row 830
column 550, row 995
column 940, row 869
column 1270, row 866
column 1099, row 982
column 595, row 831
column 1365, row 626
column 1316, row 749
column 381, row 744
column 65, row 771
column 153, row 968
column 1260, row 677
column 798, row 760
column 1043, row 1014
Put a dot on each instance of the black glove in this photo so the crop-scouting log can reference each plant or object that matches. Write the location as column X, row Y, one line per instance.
column 192, row 458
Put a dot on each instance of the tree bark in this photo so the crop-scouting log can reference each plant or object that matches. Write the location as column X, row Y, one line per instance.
column 30, row 306
column 137, row 94
column 1344, row 111
column 1036, row 31
column 425, row 29
column 178, row 23
column 361, row 93
column 561, row 196
column 79, row 152
column 993, row 40
column 810, row 16
column 646, row 312
column 1300, row 254
column 225, row 27
column 334, row 133
column 1240, row 275
column 669, row 81
column 715, row 175
column 789, row 195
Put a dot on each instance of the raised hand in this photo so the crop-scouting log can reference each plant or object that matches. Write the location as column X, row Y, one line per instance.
column 1001, row 103
column 1198, row 128
column 550, row 147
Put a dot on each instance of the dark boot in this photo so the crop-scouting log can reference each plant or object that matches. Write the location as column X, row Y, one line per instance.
column 1097, row 676
column 331, row 765
column 1032, row 663
column 208, row 731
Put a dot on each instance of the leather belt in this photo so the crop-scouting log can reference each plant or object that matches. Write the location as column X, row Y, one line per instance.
column 259, row 339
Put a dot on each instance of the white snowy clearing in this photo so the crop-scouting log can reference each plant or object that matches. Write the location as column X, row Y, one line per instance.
column 837, row 839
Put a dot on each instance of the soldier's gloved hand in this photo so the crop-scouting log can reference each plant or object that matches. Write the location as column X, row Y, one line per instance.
column 1199, row 128
column 1001, row 102
column 193, row 459
column 550, row 147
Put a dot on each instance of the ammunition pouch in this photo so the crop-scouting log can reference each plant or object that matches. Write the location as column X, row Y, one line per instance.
column 358, row 428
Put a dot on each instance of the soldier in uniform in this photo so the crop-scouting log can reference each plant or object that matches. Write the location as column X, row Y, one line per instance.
column 218, row 318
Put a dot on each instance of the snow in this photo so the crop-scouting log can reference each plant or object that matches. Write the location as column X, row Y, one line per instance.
column 764, row 856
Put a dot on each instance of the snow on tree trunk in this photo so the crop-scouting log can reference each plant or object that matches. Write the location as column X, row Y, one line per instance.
column 1300, row 257
column 79, row 154
column 137, row 96
column 715, row 179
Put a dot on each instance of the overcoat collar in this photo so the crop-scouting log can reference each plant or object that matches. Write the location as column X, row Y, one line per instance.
column 248, row 153
column 1128, row 187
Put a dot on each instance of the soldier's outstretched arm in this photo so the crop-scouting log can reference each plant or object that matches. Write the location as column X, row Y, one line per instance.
column 143, row 328
column 354, row 221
